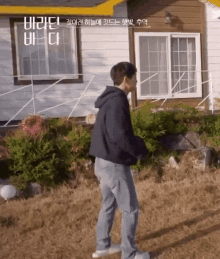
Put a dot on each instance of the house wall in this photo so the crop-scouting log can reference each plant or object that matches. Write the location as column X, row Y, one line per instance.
column 101, row 47
column 213, row 50
column 190, row 17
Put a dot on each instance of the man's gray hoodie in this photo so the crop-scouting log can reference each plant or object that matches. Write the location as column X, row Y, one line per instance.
column 113, row 138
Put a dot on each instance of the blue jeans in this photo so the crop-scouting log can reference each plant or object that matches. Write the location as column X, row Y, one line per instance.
column 118, row 190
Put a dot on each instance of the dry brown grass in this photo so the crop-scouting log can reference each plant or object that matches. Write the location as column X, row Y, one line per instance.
column 179, row 218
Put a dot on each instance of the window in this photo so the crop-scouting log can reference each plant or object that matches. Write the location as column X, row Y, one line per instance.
column 171, row 64
column 49, row 58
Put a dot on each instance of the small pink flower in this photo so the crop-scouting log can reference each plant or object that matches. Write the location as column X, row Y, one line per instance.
column 32, row 125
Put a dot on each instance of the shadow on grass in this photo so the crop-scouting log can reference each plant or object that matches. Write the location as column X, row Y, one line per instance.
column 187, row 239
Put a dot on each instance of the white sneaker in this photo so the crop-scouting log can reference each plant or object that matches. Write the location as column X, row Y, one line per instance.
column 140, row 255
column 115, row 248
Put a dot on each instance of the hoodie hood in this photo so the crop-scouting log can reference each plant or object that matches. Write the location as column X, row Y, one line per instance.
column 109, row 93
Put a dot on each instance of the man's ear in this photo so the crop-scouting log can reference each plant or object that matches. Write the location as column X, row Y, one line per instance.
column 125, row 79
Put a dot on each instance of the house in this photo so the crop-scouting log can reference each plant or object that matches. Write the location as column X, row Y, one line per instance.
column 174, row 44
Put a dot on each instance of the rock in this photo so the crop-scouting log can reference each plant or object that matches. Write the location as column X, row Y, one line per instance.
column 193, row 138
column 88, row 164
column 173, row 163
column 6, row 181
column 8, row 192
column 214, row 156
column 176, row 142
column 32, row 189
column 134, row 173
column 35, row 188
column 203, row 157
column 1, row 185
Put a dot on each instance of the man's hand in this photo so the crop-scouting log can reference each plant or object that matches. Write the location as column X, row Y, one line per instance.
column 142, row 149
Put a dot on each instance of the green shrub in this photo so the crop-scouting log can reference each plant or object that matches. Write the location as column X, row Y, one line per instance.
column 45, row 154
column 43, row 151
column 42, row 160
column 79, row 139
column 59, row 126
column 152, row 126
column 143, row 121
column 217, row 126
column 211, row 131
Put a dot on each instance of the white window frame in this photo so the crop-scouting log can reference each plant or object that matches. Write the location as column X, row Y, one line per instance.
column 170, row 35
column 48, row 76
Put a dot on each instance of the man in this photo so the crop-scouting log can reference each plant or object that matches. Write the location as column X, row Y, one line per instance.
column 116, row 148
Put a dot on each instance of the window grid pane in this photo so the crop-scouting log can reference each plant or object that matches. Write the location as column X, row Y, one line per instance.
column 183, row 59
column 43, row 58
column 153, row 52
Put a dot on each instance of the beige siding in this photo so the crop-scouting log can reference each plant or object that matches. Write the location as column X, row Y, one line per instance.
column 109, row 37
column 102, row 30
column 102, row 47
column 106, row 53
column 213, row 48
column 99, row 45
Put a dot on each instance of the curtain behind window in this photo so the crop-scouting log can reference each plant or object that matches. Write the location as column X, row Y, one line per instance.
column 43, row 58
column 153, row 52
column 183, row 59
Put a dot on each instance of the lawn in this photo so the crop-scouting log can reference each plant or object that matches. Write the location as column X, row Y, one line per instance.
column 179, row 218
column 179, row 209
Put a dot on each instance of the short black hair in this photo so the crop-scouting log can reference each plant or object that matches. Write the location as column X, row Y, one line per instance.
column 120, row 70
